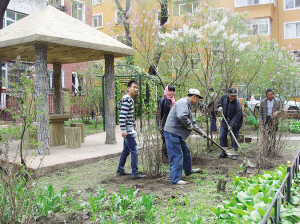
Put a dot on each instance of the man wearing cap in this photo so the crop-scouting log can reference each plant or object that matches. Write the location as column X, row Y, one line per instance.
column 231, row 107
column 178, row 127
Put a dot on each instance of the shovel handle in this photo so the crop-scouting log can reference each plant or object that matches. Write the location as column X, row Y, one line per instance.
column 232, row 133
column 209, row 139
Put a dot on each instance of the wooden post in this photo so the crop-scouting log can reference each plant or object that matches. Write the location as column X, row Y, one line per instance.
column 110, row 100
column 42, row 89
column 57, row 89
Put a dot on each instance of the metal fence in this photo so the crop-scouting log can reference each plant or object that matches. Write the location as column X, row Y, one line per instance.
column 284, row 192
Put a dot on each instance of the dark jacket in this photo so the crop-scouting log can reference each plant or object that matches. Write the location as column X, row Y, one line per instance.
column 164, row 107
column 236, row 114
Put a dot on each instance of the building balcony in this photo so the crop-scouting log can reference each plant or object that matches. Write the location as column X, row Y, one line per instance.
column 258, row 10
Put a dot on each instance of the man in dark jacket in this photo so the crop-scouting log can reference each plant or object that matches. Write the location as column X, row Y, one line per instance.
column 231, row 107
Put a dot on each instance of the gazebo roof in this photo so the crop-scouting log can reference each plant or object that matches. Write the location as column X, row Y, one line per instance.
column 68, row 40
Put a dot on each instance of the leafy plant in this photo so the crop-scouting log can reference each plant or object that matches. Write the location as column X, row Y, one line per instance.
column 252, row 197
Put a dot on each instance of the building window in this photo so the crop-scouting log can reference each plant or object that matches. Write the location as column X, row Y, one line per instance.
column 261, row 26
column 292, row 4
column 98, row 20
column 4, row 73
column 11, row 17
column 56, row 3
column 241, row 3
column 158, row 17
column 96, row 2
column 185, row 6
column 292, row 30
column 50, row 78
column 78, row 11
column 76, row 88
column 118, row 17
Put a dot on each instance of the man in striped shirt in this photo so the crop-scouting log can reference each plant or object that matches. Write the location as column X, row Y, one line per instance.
column 127, row 125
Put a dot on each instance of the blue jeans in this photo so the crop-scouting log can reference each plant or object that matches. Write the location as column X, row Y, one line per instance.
column 129, row 146
column 213, row 121
column 179, row 157
column 223, row 136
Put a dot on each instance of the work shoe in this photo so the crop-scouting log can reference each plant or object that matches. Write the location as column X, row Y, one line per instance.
column 223, row 155
column 233, row 157
column 122, row 173
column 197, row 170
column 137, row 176
column 182, row 182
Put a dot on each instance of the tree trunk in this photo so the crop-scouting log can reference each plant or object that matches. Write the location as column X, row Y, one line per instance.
column 57, row 89
column 110, row 100
column 3, row 7
column 42, row 90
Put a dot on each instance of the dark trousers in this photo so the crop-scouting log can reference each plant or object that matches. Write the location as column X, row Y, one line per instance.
column 223, row 136
column 213, row 121
column 269, row 134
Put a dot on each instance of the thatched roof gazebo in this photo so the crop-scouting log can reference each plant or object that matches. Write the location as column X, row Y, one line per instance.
column 51, row 36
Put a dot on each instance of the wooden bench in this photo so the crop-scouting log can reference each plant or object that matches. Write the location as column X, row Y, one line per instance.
column 73, row 137
column 81, row 126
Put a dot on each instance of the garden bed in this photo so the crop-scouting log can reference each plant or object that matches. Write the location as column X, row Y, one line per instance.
column 175, row 203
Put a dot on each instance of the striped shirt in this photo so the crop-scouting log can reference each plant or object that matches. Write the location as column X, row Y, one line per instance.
column 126, row 120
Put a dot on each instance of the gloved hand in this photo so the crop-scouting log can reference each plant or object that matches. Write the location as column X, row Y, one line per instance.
column 220, row 109
column 190, row 128
column 203, row 134
column 230, row 128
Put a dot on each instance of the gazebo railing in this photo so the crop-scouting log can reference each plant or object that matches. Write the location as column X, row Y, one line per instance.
column 284, row 192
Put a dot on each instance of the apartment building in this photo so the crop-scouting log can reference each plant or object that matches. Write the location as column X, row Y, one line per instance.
column 277, row 19
column 18, row 9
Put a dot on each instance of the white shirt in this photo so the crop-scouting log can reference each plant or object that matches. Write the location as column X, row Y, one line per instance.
column 270, row 107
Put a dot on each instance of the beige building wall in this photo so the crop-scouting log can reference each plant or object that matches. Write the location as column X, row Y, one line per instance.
column 276, row 13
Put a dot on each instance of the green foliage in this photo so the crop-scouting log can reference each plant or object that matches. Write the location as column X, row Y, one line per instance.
column 90, row 99
column 48, row 201
column 252, row 197
column 294, row 126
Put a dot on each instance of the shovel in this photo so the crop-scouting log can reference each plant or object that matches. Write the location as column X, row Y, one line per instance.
column 229, row 151
column 246, row 161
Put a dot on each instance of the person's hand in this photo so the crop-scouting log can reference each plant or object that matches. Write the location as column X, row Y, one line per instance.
column 275, row 114
column 204, row 135
column 190, row 128
column 260, row 123
column 124, row 135
column 230, row 128
column 220, row 109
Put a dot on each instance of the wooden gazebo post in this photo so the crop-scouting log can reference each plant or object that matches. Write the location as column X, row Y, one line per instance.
column 42, row 89
column 57, row 89
column 110, row 100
